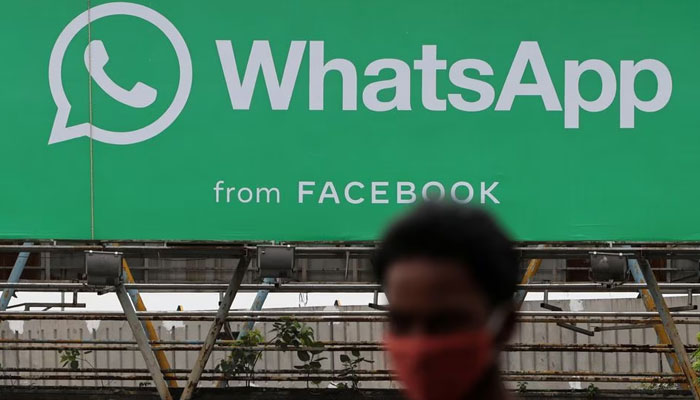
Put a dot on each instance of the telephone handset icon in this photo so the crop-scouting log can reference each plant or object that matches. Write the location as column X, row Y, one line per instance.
column 140, row 96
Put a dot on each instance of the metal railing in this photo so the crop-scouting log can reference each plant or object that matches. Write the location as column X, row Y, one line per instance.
column 606, row 320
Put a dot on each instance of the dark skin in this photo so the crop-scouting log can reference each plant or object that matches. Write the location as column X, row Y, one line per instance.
column 433, row 297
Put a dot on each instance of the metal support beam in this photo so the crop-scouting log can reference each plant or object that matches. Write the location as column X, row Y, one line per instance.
column 15, row 274
column 147, row 325
column 142, row 341
column 221, row 314
column 257, row 305
column 648, row 301
column 532, row 267
column 670, row 327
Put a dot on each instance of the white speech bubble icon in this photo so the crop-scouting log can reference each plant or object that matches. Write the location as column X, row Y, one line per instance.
column 61, row 131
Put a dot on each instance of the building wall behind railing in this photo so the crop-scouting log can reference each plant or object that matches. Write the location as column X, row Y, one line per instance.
column 525, row 333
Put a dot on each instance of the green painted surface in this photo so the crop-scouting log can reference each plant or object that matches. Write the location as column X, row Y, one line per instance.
column 596, row 182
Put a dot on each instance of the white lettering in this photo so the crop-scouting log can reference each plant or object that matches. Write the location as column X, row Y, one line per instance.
column 628, row 97
column 401, row 192
column 459, row 79
column 317, row 76
column 470, row 190
column 302, row 190
column 487, row 192
column 429, row 64
column 268, row 192
column 572, row 96
column 376, row 192
column 329, row 192
column 401, row 83
column 249, row 196
column 347, row 192
column 438, row 185
column 528, row 53
column 217, row 189
column 260, row 59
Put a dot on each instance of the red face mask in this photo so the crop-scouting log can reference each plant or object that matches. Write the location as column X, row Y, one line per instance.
column 445, row 367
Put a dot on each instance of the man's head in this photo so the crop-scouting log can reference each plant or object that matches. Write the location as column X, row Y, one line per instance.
column 449, row 273
column 444, row 268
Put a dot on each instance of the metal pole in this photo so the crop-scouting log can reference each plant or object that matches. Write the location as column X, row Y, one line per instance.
column 147, row 324
column 142, row 341
column 670, row 327
column 532, row 267
column 257, row 305
column 16, row 273
column 219, row 321
column 648, row 301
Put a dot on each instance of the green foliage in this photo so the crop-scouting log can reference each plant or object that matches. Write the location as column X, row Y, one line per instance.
column 522, row 387
column 592, row 391
column 696, row 357
column 71, row 358
column 351, row 365
column 242, row 359
column 292, row 333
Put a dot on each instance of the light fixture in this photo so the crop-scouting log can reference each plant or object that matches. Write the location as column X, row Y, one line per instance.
column 103, row 268
column 606, row 267
column 276, row 261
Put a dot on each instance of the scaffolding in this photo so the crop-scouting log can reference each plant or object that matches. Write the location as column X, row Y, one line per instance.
column 349, row 275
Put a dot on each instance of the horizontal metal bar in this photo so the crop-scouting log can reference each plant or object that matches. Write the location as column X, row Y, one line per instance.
column 183, row 370
column 170, row 347
column 328, row 287
column 587, row 348
column 359, row 372
column 364, row 378
column 194, row 287
column 168, row 315
column 163, row 342
column 591, row 320
column 115, row 393
column 524, row 249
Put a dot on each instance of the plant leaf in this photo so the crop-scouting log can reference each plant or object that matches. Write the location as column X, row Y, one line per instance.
column 303, row 356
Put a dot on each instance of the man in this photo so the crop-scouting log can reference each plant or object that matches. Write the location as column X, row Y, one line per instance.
column 449, row 273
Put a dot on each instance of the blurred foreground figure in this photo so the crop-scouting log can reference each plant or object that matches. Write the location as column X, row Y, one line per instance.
column 449, row 273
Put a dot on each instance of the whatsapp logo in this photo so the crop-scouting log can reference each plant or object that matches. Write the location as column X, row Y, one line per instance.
column 96, row 57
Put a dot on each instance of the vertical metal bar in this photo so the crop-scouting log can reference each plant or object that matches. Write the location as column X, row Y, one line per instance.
column 670, row 327
column 221, row 314
column 15, row 274
column 142, row 341
column 257, row 305
column 648, row 301
column 147, row 324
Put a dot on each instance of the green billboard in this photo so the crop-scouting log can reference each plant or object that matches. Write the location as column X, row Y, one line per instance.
column 321, row 120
